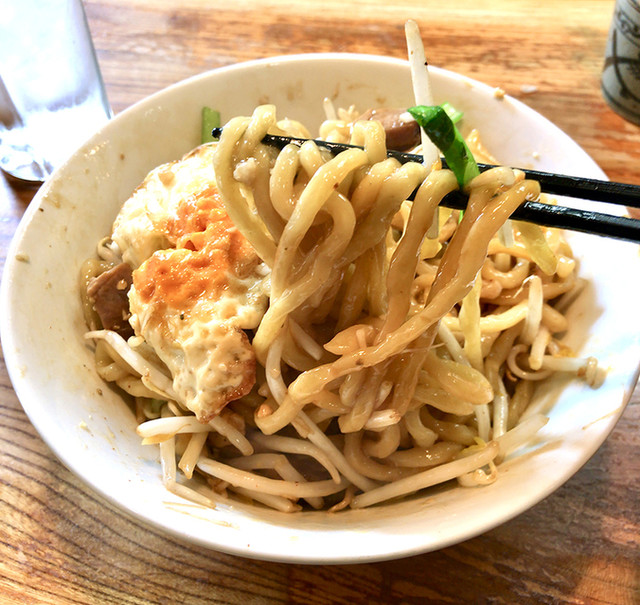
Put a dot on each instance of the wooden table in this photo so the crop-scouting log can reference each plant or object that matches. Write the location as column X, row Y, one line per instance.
column 61, row 543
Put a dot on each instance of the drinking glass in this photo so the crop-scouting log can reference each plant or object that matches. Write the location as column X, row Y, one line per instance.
column 52, row 96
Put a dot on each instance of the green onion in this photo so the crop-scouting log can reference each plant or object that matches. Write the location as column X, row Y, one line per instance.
column 453, row 113
column 210, row 120
column 435, row 121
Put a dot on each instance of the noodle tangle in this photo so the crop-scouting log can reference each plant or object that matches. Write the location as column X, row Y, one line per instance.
column 387, row 361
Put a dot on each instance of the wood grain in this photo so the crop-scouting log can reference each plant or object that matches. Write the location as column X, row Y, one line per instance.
column 61, row 543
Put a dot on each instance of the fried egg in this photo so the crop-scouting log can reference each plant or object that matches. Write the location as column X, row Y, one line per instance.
column 197, row 282
column 141, row 225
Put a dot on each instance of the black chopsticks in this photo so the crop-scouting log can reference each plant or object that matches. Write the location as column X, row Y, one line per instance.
column 546, row 215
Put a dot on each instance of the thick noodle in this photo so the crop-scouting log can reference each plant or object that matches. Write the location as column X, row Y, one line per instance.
column 388, row 361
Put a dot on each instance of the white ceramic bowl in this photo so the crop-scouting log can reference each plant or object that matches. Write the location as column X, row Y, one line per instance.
column 92, row 431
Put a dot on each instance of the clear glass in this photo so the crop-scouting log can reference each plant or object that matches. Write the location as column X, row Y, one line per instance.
column 51, row 92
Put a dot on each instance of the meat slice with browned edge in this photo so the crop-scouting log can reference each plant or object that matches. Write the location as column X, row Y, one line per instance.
column 108, row 294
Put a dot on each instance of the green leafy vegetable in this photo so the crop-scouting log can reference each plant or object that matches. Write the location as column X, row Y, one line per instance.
column 210, row 120
column 447, row 138
column 455, row 114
